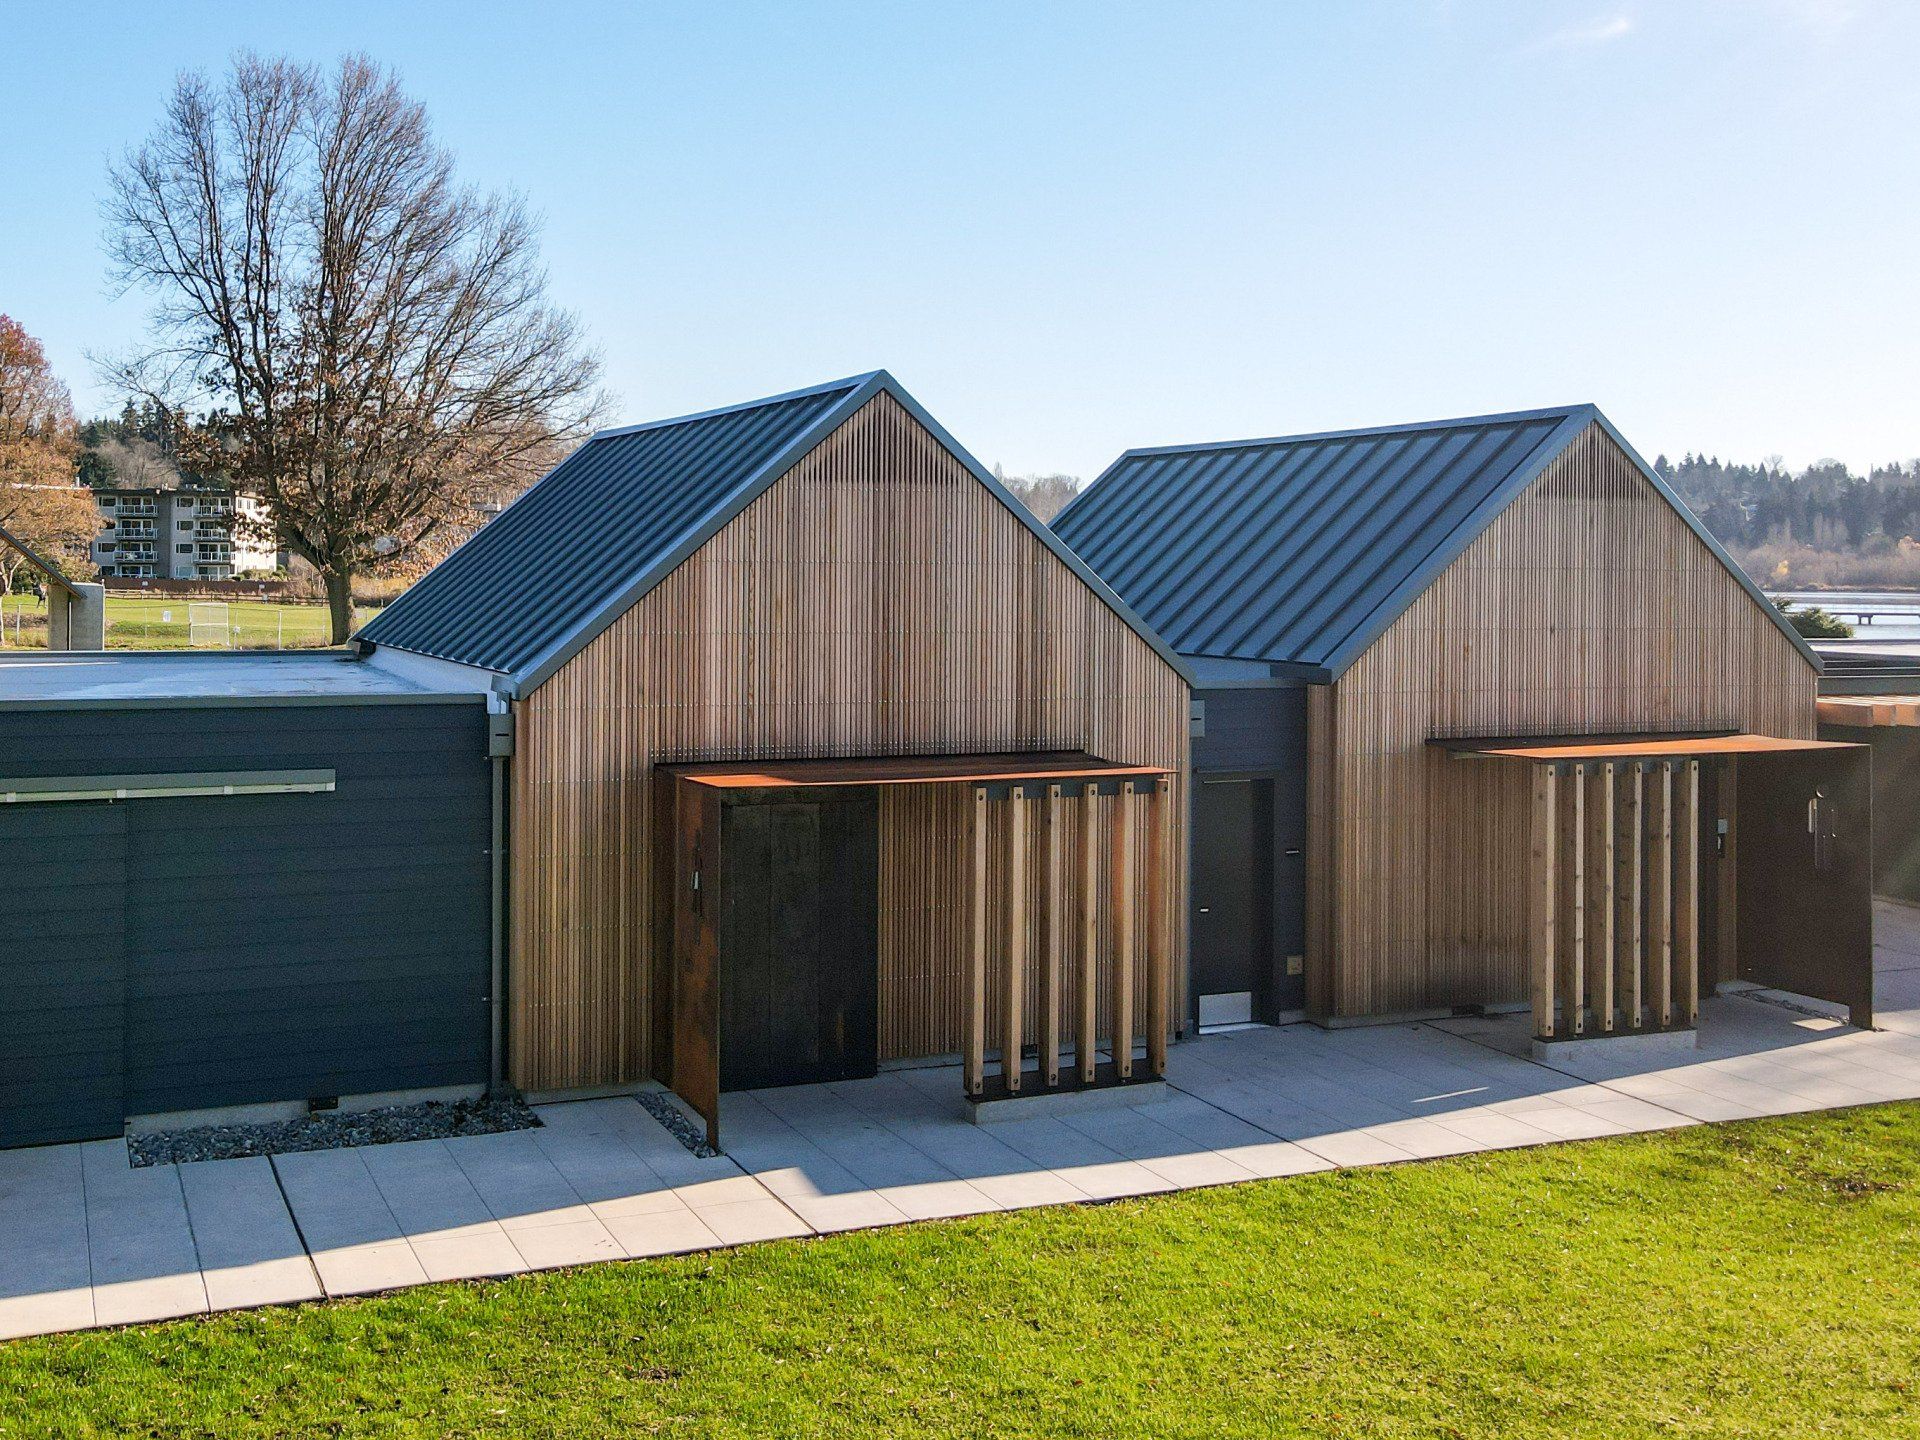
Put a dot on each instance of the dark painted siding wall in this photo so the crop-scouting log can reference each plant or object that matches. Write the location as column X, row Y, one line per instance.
column 1253, row 729
column 180, row 953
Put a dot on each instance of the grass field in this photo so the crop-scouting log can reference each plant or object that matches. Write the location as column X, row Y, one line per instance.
column 1760, row 1279
column 146, row 622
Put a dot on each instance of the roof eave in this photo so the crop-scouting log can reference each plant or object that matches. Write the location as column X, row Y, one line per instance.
column 526, row 679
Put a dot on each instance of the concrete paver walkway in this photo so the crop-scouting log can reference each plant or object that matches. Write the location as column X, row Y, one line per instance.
column 86, row 1240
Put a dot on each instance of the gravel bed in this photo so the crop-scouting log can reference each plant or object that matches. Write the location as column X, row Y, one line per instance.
column 682, row 1126
column 331, row 1129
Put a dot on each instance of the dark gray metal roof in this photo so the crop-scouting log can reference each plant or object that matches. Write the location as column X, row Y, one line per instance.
column 589, row 529
column 582, row 545
column 1300, row 550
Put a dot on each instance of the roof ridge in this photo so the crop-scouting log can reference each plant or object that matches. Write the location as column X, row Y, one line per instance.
column 849, row 383
column 1459, row 422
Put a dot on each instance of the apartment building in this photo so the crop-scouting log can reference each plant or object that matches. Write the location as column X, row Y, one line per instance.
column 180, row 535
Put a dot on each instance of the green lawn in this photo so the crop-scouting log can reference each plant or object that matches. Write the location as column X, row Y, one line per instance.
column 1742, row 1280
column 148, row 622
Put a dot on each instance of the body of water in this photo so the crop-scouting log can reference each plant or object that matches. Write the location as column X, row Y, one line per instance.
column 1874, row 614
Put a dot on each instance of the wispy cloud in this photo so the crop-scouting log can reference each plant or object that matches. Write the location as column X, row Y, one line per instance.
column 1588, row 34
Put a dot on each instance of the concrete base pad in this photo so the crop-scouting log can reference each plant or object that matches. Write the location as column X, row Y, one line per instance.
column 1619, row 1047
column 1068, row 1102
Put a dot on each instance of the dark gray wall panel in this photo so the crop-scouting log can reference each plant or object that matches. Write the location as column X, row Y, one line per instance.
column 1254, row 729
column 227, row 950
column 61, row 961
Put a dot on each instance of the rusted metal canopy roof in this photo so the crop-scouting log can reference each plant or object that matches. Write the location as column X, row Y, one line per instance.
column 910, row 770
column 1864, row 710
column 1695, row 745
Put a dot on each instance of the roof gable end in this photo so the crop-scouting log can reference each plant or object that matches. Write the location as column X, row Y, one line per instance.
column 582, row 545
column 1300, row 551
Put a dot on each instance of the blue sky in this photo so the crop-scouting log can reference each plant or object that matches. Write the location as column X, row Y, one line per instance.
column 1071, row 228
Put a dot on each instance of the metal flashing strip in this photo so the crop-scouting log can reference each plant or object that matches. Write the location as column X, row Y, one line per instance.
column 41, row 788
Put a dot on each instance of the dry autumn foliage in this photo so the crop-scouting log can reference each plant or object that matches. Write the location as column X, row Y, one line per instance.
column 40, row 503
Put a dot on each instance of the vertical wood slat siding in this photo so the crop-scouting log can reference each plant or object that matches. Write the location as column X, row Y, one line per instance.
column 1627, row 958
column 875, row 600
column 1587, row 606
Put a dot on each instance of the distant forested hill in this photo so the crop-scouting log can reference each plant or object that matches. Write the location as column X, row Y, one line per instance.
column 1823, row 525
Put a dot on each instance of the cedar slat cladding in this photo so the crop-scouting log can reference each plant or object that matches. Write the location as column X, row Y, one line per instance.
column 876, row 600
column 1586, row 606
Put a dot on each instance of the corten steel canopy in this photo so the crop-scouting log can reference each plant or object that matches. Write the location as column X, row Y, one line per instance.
column 1613, row 869
column 1891, row 711
column 911, row 770
column 1691, row 746
column 1079, row 796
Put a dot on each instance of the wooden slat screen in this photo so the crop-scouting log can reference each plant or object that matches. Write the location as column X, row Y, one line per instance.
column 877, row 600
column 1586, row 607
column 1614, row 934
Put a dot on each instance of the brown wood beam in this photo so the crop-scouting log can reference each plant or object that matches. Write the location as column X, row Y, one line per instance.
column 1659, row 982
column 1123, row 938
column 1573, row 935
column 1159, row 966
column 1686, row 893
column 974, row 1061
column 1601, row 905
column 1015, row 970
column 1727, row 952
column 1056, row 908
column 1086, row 1033
column 1628, row 846
column 1543, row 853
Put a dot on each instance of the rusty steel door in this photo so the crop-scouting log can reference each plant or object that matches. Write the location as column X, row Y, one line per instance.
column 1805, row 885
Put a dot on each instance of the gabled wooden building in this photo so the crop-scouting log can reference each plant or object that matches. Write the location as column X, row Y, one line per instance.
column 1485, row 718
column 824, row 754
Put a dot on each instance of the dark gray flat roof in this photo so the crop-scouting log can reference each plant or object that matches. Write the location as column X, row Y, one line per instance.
column 135, row 677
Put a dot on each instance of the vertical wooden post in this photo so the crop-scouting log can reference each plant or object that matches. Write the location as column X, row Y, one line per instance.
column 1543, row 851
column 1659, row 982
column 1727, row 952
column 974, row 1062
column 1011, row 1041
column 1123, row 932
column 1159, row 971
column 1686, row 908
column 1602, row 906
column 1573, row 949
column 1050, row 996
column 1628, row 848
column 1087, row 1034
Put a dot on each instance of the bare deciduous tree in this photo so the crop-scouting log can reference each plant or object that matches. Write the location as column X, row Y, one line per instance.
column 1045, row 495
column 361, row 342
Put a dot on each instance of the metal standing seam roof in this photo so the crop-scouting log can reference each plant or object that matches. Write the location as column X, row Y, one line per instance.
column 1299, row 551
column 530, row 589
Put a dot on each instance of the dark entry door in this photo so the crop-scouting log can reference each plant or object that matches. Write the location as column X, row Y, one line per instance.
column 1232, row 899
column 1805, row 887
column 799, row 945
